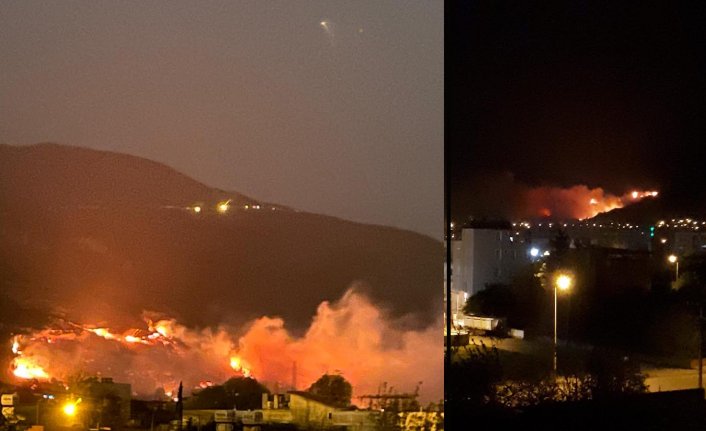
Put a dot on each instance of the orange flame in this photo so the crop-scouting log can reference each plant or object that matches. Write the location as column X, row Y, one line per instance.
column 237, row 365
column 578, row 202
column 25, row 368
column 150, row 358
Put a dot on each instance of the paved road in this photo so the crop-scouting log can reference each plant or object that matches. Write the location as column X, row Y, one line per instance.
column 670, row 379
column 657, row 379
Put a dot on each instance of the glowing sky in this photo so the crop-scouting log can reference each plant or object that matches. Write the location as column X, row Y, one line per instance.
column 257, row 97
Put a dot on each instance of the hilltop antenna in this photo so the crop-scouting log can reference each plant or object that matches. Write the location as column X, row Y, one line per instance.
column 294, row 376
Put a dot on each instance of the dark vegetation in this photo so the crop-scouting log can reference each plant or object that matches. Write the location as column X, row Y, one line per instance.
column 334, row 389
column 243, row 393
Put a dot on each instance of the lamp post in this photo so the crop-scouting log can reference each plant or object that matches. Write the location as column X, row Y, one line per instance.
column 563, row 282
column 672, row 258
column 70, row 408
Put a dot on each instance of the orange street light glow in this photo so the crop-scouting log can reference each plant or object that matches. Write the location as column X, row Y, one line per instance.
column 564, row 281
column 71, row 407
column 224, row 206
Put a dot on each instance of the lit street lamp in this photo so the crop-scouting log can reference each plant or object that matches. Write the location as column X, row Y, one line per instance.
column 69, row 408
column 563, row 282
column 675, row 260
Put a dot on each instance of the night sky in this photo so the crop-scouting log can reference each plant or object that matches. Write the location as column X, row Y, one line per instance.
column 329, row 107
column 606, row 94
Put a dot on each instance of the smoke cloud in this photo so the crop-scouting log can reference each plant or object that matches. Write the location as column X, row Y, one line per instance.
column 350, row 336
column 502, row 196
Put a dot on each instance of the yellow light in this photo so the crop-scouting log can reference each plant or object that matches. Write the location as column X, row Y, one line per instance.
column 70, row 409
column 563, row 282
column 197, row 209
column 223, row 206
column 235, row 363
column 672, row 258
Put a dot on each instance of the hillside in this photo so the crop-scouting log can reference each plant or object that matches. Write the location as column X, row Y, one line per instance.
column 101, row 236
column 649, row 211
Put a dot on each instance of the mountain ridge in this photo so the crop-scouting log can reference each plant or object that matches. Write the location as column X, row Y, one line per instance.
column 73, row 241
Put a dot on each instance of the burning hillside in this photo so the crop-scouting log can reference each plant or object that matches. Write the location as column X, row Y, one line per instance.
column 577, row 202
column 501, row 195
column 350, row 336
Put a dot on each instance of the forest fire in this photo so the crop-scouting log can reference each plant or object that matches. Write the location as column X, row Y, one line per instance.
column 350, row 336
column 577, row 202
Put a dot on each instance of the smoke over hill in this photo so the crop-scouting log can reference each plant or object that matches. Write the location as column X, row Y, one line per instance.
column 98, row 238
column 495, row 195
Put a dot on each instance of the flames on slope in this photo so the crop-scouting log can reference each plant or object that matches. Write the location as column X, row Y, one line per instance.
column 350, row 336
column 67, row 348
column 577, row 202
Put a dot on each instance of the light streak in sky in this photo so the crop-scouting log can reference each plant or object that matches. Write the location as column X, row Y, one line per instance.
column 328, row 28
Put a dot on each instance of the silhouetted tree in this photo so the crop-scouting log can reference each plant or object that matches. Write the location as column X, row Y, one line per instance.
column 495, row 300
column 522, row 301
column 243, row 393
column 614, row 374
column 472, row 377
column 334, row 388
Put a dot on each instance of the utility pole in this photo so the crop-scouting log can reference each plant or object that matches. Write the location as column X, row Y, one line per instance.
column 701, row 346
column 180, row 406
column 294, row 376
column 555, row 337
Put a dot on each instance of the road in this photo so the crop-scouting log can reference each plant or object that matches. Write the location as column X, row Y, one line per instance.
column 670, row 379
column 656, row 378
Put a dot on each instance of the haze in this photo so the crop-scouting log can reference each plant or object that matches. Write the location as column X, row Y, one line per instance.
column 254, row 97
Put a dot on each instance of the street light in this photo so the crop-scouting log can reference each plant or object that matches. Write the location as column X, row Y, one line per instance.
column 672, row 258
column 563, row 282
column 70, row 408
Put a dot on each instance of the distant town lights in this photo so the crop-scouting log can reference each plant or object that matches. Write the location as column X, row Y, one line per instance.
column 223, row 206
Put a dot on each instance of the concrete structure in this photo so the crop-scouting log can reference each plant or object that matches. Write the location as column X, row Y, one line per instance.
column 687, row 242
column 311, row 412
column 304, row 410
column 487, row 254
column 609, row 270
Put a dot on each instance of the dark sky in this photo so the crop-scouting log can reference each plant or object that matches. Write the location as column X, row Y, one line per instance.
column 607, row 94
column 258, row 97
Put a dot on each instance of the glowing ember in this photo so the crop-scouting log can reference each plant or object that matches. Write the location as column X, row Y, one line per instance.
column 102, row 332
column 237, row 365
column 162, row 330
column 24, row 368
